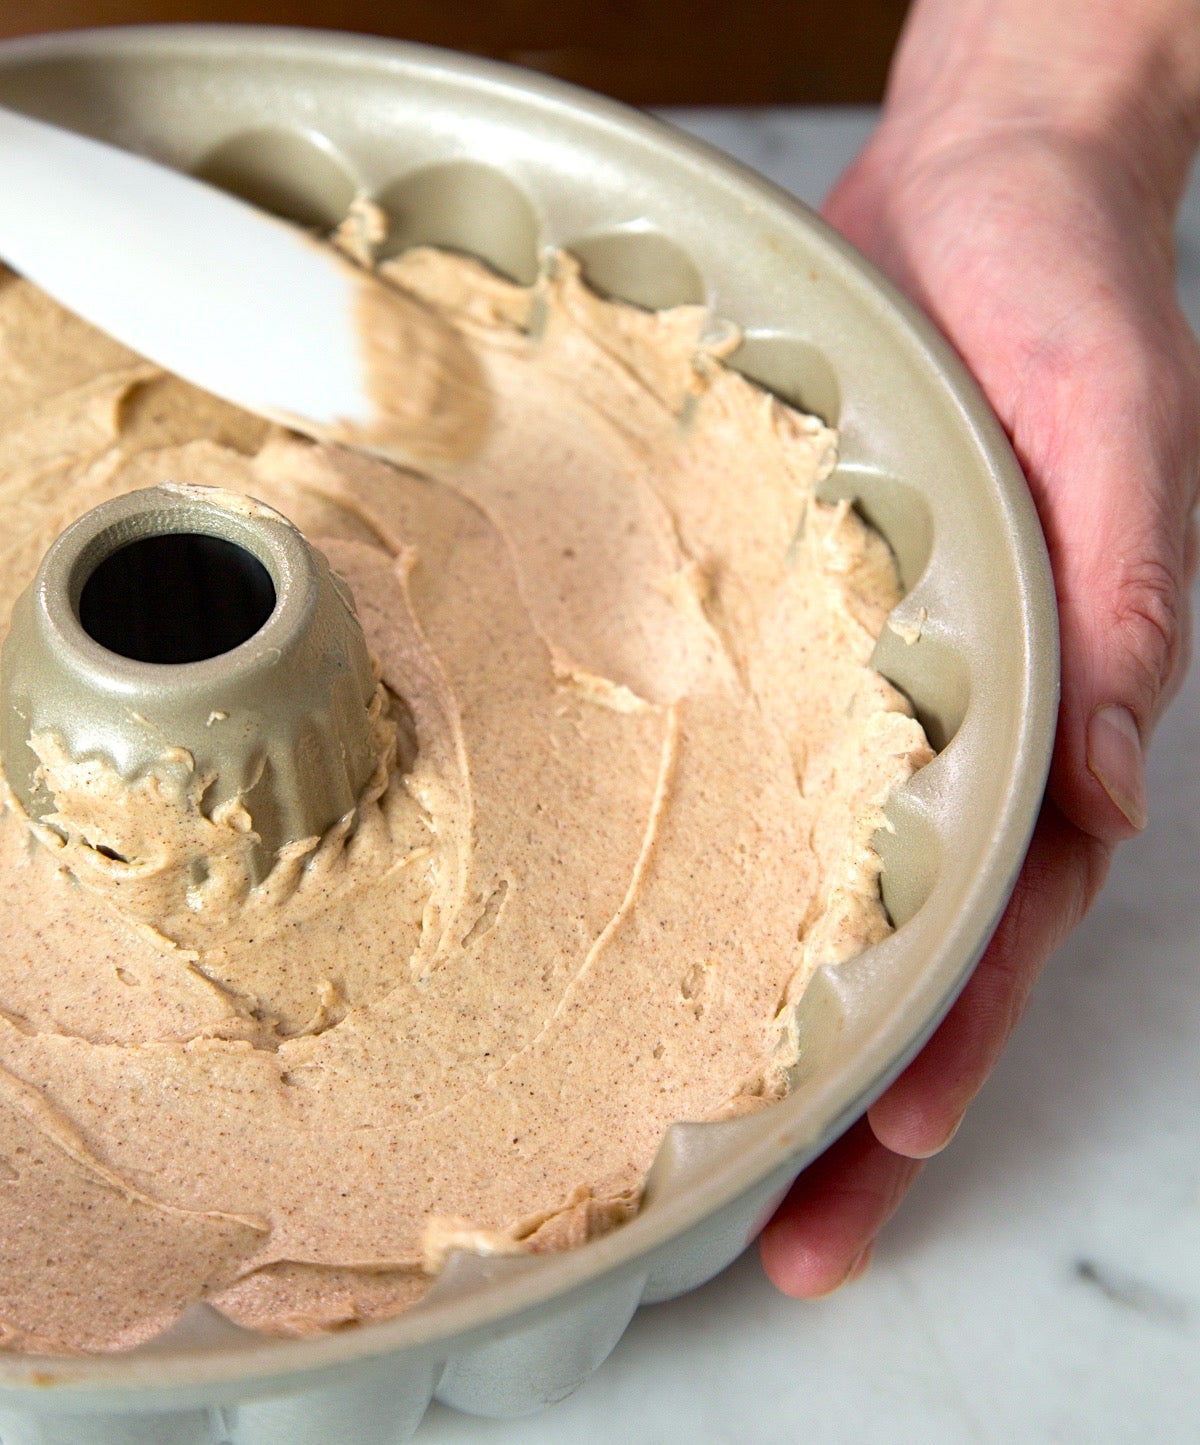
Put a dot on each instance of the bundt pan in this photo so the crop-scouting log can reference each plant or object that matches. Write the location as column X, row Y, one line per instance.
column 502, row 164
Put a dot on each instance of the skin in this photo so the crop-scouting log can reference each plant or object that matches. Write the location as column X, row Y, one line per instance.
column 1022, row 187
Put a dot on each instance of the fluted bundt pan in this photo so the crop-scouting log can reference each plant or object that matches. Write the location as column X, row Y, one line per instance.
column 503, row 165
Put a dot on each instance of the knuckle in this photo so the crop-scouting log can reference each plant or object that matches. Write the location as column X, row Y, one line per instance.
column 1149, row 621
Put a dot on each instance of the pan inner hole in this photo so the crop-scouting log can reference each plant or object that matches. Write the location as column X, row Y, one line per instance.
column 179, row 597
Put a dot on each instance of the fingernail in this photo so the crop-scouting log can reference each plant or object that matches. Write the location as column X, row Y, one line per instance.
column 945, row 1143
column 861, row 1264
column 1114, row 759
column 856, row 1270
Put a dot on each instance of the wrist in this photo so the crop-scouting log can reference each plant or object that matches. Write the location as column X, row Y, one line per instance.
column 1122, row 79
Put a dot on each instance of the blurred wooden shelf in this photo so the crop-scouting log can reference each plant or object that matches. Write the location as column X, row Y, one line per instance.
column 647, row 52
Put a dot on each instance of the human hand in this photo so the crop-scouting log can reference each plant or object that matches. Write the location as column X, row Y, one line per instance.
column 1041, row 244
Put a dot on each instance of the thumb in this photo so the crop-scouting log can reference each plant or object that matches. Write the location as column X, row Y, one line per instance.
column 1122, row 545
column 1062, row 302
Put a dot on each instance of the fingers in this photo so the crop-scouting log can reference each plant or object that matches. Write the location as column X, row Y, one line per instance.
column 822, row 1234
column 918, row 1115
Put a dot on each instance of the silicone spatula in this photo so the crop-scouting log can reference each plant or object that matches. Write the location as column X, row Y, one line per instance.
column 228, row 297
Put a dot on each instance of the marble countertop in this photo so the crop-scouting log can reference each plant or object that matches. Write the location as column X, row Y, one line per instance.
column 1041, row 1283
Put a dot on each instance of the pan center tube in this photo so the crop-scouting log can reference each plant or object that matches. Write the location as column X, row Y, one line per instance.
column 190, row 632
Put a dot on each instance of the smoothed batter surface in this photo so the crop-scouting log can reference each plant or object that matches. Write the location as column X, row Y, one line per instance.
column 632, row 756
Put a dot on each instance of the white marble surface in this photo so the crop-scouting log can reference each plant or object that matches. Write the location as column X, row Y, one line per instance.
column 1041, row 1283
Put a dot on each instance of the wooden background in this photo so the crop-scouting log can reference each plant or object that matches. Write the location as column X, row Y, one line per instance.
column 648, row 52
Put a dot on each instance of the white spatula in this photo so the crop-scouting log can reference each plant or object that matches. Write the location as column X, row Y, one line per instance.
column 230, row 298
